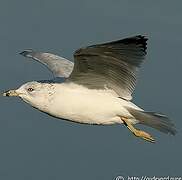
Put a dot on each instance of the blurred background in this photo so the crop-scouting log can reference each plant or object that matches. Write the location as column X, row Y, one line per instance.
column 35, row 146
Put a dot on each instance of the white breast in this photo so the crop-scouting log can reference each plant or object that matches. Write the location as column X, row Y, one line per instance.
column 79, row 104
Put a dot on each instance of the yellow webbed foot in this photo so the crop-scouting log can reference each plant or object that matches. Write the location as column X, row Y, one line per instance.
column 138, row 133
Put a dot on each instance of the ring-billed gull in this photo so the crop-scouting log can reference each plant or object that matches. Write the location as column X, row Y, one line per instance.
column 96, row 89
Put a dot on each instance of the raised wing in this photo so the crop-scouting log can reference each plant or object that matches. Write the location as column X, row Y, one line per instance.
column 111, row 65
column 59, row 66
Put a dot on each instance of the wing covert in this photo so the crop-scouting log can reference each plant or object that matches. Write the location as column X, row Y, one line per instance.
column 59, row 66
column 110, row 65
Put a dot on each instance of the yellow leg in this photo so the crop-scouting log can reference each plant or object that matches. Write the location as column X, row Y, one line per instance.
column 137, row 132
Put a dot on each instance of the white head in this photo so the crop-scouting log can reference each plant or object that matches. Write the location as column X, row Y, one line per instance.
column 34, row 93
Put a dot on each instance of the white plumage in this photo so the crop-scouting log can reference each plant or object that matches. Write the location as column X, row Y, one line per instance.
column 97, row 90
column 83, row 105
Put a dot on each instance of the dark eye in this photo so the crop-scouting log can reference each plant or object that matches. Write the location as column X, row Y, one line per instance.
column 30, row 89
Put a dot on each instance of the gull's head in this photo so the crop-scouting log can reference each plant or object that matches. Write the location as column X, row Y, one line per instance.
column 34, row 93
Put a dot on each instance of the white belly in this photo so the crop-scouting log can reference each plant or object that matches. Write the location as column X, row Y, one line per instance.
column 87, row 106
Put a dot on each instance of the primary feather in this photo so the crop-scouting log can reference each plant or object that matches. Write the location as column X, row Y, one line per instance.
column 110, row 65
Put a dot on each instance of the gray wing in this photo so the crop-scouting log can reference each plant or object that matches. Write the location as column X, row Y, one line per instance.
column 111, row 65
column 59, row 66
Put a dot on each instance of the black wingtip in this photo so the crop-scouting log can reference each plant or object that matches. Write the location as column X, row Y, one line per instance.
column 142, row 40
column 26, row 53
column 139, row 40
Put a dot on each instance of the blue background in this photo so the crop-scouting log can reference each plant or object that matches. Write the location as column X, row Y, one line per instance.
column 35, row 146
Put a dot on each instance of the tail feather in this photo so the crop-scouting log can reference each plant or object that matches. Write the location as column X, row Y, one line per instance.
column 155, row 120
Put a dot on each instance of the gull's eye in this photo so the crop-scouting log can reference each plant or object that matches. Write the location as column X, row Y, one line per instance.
column 30, row 89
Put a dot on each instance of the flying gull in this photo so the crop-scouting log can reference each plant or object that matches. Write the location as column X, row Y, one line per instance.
column 96, row 89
